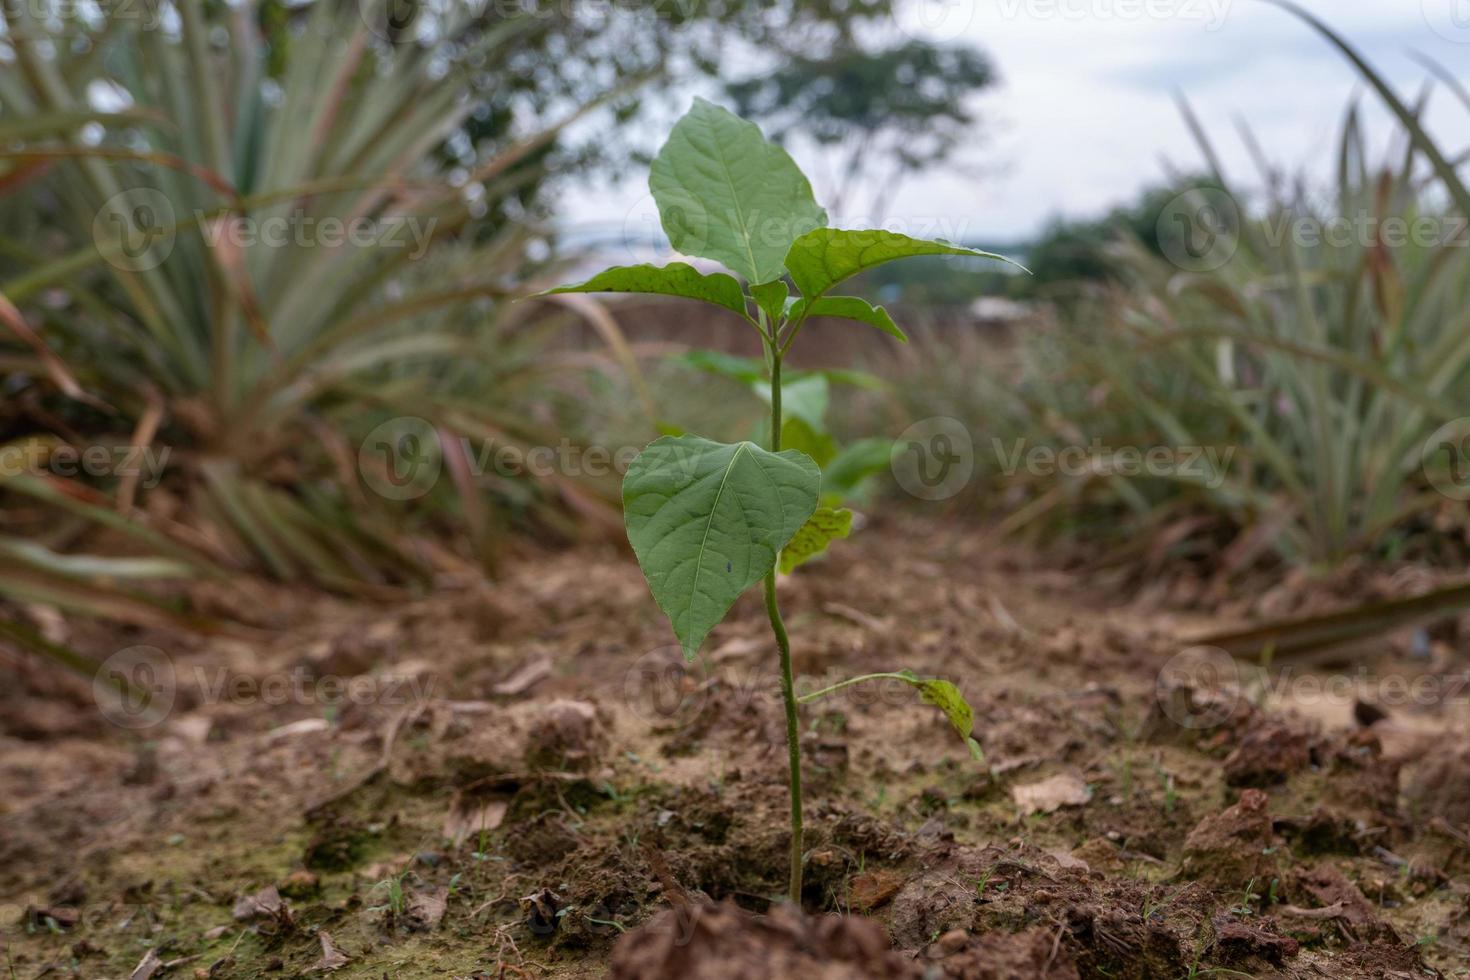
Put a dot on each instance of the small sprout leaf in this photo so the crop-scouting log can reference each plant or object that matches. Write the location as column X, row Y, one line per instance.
column 707, row 520
column 822, row 528
column 675, row 279
column 824, row 257
column 726, row 193
column 947, row 698
column 849, row 308
column 771, row 297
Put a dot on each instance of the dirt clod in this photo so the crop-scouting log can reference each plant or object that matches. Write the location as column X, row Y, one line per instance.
column 724, row 942
column 1230, row 849
column 1268, row 754
column 1032, row 954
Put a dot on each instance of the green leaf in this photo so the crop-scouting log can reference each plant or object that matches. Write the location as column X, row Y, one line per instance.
column 725, row 193
column 746, row 370
column 826, row 525
column 771, row 297
column 849, row 308
column 822, row 258
column 803, row 397
column 947, row 698
column 820, row 446
column 707, row 519
column 857, row 462
column 675, row 279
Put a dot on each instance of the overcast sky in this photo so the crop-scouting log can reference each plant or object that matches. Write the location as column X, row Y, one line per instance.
column 1084, row 114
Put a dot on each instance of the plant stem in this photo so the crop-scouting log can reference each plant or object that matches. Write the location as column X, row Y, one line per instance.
column 887, row 675
column 788, row 684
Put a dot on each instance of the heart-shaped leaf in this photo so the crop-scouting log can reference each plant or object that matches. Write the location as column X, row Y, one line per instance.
column 725, row 193
column 707, row 519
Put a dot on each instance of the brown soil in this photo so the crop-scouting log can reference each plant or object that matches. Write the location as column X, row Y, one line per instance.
column 527, row 782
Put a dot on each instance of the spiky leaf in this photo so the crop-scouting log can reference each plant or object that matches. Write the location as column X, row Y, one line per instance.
column 707, row 519
column 725, row 193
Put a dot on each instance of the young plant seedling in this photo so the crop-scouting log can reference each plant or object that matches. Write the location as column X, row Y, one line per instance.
column 708, row 520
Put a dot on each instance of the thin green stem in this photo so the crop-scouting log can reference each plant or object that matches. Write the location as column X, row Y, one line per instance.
column 805, row 698
column 788, row 684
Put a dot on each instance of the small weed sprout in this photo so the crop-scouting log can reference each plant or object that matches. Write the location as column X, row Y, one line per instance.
column 709, row 520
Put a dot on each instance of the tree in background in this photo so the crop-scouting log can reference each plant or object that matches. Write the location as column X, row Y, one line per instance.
column 572, row 54
column 885, row 114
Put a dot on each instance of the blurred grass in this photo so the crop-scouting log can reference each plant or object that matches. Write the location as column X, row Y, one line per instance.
column 1321, row 362
column 144, row 310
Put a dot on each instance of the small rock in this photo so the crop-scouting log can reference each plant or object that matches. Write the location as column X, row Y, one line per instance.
column 299, row 884
column 1050, row 794
column 266, row 902
column 871, row 889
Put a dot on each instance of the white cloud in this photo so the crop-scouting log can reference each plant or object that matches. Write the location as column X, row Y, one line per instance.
column 1085, row 114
